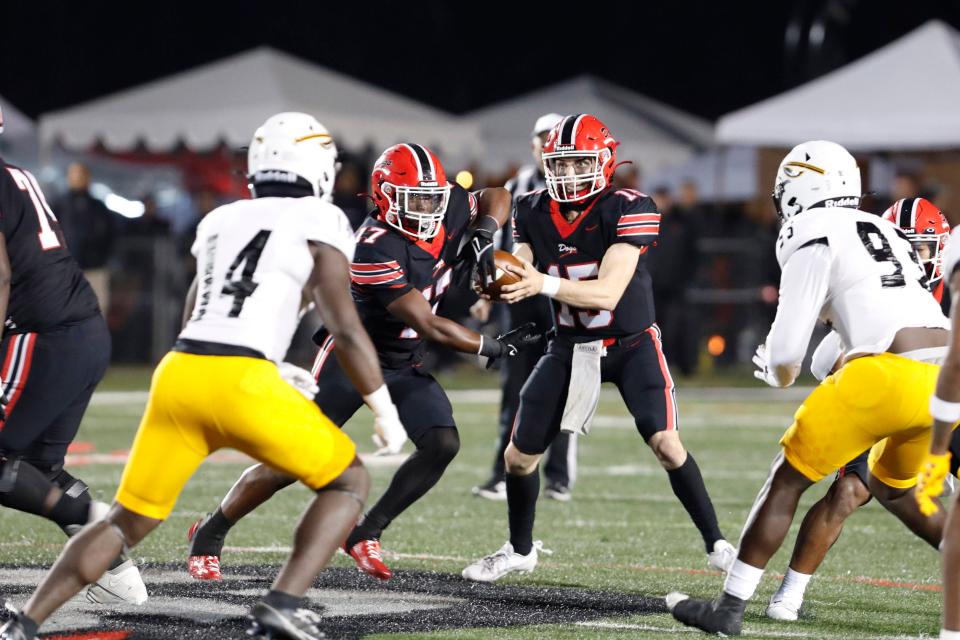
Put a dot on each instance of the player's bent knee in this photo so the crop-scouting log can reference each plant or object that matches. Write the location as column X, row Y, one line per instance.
column 441, row 443
column 353, row 481
column 668, row 449
column 848, row 494
column 884, row 492
column 130, row 527
column 519, row 463
column 261, row 474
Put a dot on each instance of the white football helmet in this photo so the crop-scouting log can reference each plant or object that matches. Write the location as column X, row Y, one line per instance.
column 290, row 148
column 818, row 173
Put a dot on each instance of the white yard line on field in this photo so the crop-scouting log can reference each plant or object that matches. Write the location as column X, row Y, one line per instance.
column 748, row 631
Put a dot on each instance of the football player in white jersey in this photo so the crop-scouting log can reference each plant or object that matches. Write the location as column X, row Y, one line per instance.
column 220, row 387
column 945, row 409
column 861, row 275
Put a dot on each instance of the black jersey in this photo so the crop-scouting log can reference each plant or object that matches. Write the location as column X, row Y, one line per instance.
column 388, row 264
column 574, row 251
column 48, row 289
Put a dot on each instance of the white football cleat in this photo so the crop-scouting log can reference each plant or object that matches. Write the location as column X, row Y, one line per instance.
column 120, row 584
column 723, row 556
column 783, row 609
column 504, row 561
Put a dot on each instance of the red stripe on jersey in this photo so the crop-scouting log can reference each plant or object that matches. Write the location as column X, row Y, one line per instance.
column 22, row 377
column 374, row 266
column 322, row 356
column 8, row 361
column 378, row 279
column 638, row 231
column 639, row 217
column 668, row 389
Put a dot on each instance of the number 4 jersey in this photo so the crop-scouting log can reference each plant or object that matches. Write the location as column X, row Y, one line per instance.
column 252, row 265
column 48, row 289
column 875, row 285
column 574, row 250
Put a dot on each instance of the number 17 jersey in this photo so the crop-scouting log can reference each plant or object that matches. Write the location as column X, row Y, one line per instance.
column 876, row 285
column 252, row 265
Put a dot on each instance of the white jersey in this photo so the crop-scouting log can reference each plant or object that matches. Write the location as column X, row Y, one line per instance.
column 252, row 264
column 853, row 270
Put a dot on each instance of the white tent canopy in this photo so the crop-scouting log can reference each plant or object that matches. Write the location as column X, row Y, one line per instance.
column 18, row 142
column 226, row 100
column 904, row 96
column 652, row 134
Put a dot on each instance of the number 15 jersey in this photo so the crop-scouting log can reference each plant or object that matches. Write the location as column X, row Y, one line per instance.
column 252, row 265
column 876, row 284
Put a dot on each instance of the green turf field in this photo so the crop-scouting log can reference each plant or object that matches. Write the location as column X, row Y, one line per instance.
column 624, row 530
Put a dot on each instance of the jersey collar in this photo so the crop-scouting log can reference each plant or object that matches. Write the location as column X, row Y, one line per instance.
column 564, row 228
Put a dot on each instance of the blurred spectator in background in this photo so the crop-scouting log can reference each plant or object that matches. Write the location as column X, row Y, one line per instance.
column 673, row 266
column 560, row 468
column 347, row 192
column 88, row 227
column 149, row 225
column 627, row 177
column 906, row 184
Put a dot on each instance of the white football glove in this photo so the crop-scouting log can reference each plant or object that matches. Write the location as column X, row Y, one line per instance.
column 389, row 432
column 764, row 372
column 300, row 379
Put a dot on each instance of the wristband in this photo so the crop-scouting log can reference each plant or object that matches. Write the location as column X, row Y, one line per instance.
column 380, row 402
column 551, row 286
column 944, row 411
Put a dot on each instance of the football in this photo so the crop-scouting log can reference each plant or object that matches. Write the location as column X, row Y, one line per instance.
column 503, row 277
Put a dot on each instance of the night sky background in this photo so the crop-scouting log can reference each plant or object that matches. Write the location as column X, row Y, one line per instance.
column 704, row 57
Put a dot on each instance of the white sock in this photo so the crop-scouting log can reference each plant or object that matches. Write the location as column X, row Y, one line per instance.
column 742, row 581
column 949, row 635
column 794, row 585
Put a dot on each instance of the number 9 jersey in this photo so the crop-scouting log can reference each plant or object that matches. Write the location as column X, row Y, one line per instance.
column 252, row 265
column 876, row 283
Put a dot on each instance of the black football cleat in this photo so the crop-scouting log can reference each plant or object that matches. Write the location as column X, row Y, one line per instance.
column 722, row 616
column 7, row 612
column 13, row 630
column 275, row 623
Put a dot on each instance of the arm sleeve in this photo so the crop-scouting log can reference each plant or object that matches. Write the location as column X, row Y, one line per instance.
column 638, row 222
column 803, row 290
column 377, row 275
column 826, row 355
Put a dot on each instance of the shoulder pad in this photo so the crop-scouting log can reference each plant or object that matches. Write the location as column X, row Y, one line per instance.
column 632, row 201
column 808, row 228
column 951, row 255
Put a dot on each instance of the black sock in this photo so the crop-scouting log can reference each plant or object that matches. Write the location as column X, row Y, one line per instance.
column 687, row 484
column 417, row 475
column 210, row 536
column 70, row 511
column 281, row 600
column 30, row 627
column 522, row 492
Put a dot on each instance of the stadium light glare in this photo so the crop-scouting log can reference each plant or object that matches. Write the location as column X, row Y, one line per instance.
column 465, row 179
column 716, row 345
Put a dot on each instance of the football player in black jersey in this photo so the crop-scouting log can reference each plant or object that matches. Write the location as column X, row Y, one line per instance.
column 560, row 465
column 406, row 254
column 55, row 349
column 588, row 241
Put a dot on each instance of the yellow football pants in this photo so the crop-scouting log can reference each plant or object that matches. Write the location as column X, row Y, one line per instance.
column 878, row 402
column 199, row 404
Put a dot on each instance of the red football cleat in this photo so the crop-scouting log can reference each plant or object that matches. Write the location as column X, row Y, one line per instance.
column 202, row 567
column 369, row 559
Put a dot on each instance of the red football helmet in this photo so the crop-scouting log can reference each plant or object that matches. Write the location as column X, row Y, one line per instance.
column 927, row 229
column 410, row 188
column 579, row 157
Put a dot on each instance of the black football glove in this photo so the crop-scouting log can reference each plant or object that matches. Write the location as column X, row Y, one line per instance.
column 510, row 343
column 477, row 254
